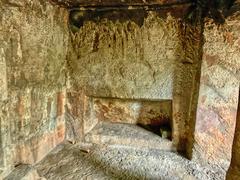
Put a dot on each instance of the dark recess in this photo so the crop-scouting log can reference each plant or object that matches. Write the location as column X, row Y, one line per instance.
column 122, row 14
column 217, row 10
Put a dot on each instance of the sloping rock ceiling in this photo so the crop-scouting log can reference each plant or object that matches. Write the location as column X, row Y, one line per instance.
column 74, row 3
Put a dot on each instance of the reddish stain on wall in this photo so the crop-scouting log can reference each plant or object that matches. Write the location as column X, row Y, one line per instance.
column 60, row 103
column 20, row 110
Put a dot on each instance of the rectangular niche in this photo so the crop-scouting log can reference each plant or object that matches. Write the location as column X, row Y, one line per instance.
column 132, row 122
column 154, row 116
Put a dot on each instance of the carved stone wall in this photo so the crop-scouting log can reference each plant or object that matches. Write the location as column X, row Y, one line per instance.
column 33, row 41
column 124, row 60
column 143, row 55
column 138, row 111
column 134, row 54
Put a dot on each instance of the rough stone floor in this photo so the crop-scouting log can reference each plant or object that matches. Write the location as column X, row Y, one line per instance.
column 127, row 134
column 115, row 161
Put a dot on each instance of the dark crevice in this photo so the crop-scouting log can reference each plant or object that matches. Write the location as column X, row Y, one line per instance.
column 164, row 131
column 218, row 10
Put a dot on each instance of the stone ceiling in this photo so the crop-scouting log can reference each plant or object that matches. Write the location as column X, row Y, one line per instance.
column 94, row 3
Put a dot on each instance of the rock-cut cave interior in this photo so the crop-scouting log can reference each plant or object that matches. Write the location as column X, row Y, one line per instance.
column 119, row 89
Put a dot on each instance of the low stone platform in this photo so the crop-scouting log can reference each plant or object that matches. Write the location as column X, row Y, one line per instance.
column 128, row 135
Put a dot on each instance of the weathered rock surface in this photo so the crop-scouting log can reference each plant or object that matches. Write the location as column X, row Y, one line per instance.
column 119, row 162
column 137, row 111
column 128, row 135
column 24, row 172
column 87, row 3
column 114, row 59
column 218, row 98
column 149, row 57
column 33, row 41
column 234, row 170
column 142, row 54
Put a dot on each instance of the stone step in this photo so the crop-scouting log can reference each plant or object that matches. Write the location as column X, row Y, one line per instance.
column 108, row 133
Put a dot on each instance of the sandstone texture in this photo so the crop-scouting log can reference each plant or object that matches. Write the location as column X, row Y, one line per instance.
column 78, row 74
column 121, row 162
column 143, row 112
column 87, row 3
column 24, row 172
column 218, row 97
column 124, row 60
column 33, row 41
column 144, row 55
column 234, row 170
column 107, row 133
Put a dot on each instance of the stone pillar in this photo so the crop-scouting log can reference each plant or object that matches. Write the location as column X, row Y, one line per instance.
column 234, row 170
column 218, row 95
column 3, row 96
